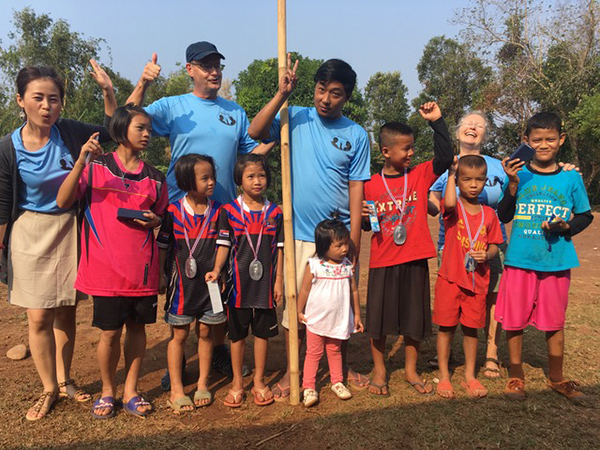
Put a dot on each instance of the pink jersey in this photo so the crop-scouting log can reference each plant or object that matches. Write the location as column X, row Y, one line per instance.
column 118, row 257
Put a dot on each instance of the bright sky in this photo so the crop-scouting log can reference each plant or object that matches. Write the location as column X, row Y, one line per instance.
column 371, row 35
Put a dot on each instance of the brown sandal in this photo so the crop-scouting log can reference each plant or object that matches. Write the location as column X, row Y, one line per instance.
column 51, row 396
column 79, row 395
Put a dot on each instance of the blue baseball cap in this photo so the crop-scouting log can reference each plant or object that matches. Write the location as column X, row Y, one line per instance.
column 199, row 50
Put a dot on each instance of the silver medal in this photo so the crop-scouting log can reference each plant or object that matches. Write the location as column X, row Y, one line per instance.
column 400, row 234
column 256, row 270
column 190, row 267
column 470, row 263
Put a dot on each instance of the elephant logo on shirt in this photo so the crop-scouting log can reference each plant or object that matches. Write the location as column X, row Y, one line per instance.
column 226, row 119
column 493, row 181
column 341, row 143
column 65, row 162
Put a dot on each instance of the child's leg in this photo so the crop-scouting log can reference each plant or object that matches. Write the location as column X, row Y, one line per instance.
column 411, row 354
column 556, row 350
column 333, row 347
column 314, row 352
column 261, row 346
column 237, row 360
column 515, row 348
column 205, row 351
column 470, row 349
column 175, row 349
column 378, row 384
column 109, row 353
column 444, row 343
column 134, row 349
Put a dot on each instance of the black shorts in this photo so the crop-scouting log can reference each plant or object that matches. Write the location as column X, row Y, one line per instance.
column 110, row 313
column 398, row 301
column 263, row 321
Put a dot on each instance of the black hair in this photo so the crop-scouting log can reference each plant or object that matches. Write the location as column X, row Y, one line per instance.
column 121, row 119
column 185, row 174
column 337, row 70
column 250, row 158
column 393, row 129
column 545, row 120
column 32, row 73
column 327, row 232
column 471, row 161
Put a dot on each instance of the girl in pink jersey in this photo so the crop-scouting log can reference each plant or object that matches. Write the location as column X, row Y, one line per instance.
column 119, row 257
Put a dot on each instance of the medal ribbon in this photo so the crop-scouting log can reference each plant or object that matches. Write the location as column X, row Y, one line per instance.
column 471, row 240
column 262, row 226
column 204, row 225
column 400, row 209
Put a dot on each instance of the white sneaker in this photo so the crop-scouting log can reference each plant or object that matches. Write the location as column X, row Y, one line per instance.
column 310, row 397
column 341, row 391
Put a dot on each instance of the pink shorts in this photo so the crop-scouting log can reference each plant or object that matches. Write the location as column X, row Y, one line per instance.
column 528, row 297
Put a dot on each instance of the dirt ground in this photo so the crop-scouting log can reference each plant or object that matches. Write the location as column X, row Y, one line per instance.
column 403, row 420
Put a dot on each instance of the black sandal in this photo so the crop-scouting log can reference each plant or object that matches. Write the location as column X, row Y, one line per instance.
column 491, row 369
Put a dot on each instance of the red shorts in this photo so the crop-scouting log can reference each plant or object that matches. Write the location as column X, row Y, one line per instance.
column 454, row 304
column 528, row 297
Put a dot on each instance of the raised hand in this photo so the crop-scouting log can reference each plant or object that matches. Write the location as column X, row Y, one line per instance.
column 452, row 168
column 90, row 150
column 512, row 168
column 151, row 70
column 289, row 80
column 430, row 111
column 100, row 76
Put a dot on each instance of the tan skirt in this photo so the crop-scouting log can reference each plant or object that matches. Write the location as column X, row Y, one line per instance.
column 42, row 260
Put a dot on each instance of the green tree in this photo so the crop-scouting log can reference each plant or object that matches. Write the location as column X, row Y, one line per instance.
column 39, row 40
column 385, row 95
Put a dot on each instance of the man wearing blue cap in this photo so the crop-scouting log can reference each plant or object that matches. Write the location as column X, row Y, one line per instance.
column 200, row 122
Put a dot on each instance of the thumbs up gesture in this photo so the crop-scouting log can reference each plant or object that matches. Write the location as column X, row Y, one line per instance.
column 151, row 70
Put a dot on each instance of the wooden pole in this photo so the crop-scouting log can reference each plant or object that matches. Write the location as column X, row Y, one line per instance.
column 286, row 187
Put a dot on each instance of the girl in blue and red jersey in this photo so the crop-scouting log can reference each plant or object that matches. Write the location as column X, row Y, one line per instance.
column 250, row 227
column 187, row 252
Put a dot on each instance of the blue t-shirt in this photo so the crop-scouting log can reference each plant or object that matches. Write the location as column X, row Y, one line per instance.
column 490, row 196
column 325, row 156
column 217, row 128
column 42, row 172
column 538, row 197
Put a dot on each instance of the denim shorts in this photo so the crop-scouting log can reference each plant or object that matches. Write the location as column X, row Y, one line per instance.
column 207, row 318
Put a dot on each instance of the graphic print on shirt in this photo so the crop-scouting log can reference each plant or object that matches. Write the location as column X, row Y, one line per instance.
column 341, row 143
column 226, row 118
column 66, row 161
column 463, row 237
column 536, row 204
column 388, row 213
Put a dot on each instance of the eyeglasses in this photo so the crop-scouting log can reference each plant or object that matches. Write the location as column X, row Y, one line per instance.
column 477, row 126
column 209, row 67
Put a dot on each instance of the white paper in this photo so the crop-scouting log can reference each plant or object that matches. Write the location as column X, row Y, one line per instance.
column 215, row 296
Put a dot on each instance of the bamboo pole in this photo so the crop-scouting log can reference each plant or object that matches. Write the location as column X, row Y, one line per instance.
column 290, row 260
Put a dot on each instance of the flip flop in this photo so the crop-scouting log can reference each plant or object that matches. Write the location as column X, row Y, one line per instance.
column 355, row 381
column 203, row 395
column 380, row 388
column 235, row 395
column 178, row 405
column 486, row 369
column 103, row 403
column 472, row 386
column 132, row 405
column 445, row 385
column 285, row 393
column 262, row 393
column 422, row 385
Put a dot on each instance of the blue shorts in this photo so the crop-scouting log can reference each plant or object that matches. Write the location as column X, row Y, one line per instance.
column 207, row 318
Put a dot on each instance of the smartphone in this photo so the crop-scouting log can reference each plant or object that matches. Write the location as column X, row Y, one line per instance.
column 130, row 214
column 524, row 152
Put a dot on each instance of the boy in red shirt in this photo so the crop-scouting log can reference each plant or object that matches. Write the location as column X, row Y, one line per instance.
column 472, row 238
column 398, row 293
